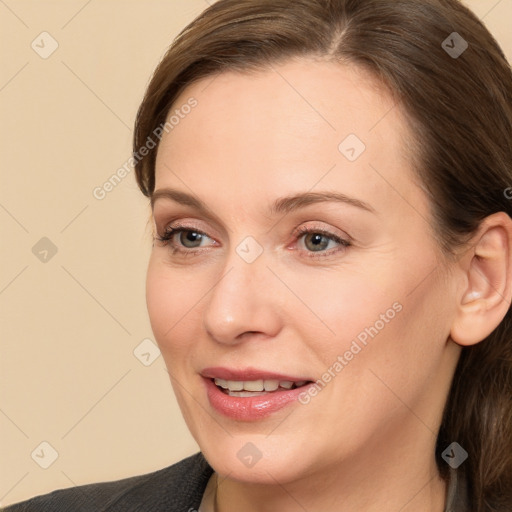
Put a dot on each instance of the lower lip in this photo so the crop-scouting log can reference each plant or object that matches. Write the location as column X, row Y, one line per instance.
column 250, row 408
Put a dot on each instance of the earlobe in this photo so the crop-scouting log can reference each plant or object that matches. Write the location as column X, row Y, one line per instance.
column 486, row 296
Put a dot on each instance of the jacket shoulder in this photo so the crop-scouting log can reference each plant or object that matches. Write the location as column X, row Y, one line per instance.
column 176, row 487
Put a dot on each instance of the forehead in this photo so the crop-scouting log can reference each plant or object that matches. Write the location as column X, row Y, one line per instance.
column 286, row 127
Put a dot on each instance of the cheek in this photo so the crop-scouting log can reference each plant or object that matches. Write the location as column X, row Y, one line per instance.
column 170, row 299
column 345, row 304
column 402, row 345
column 378, row 328
column 176, row 298
column 159, row 299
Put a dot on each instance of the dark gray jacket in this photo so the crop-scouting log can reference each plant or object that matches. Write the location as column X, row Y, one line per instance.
column 177, row 488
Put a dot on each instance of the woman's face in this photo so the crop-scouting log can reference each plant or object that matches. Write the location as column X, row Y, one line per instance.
column 305, row 256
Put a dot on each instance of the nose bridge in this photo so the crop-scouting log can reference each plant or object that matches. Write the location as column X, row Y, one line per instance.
column 238, row 301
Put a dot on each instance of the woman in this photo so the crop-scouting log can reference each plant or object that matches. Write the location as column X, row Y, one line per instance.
column 331, row 274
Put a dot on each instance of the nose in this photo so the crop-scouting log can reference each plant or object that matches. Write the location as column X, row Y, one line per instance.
column 243, row 302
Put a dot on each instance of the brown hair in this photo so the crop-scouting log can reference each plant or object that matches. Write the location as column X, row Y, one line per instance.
column 460, row 109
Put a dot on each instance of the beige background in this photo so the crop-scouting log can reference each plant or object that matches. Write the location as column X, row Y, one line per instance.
column 68, row 373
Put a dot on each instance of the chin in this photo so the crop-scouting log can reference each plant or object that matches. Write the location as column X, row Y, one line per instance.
column 256, row 458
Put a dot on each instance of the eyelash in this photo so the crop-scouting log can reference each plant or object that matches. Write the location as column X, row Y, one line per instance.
column 171, row 231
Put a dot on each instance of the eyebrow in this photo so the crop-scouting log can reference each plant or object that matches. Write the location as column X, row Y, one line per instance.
column 283, row 205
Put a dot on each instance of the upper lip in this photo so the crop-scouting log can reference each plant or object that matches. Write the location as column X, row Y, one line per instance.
column 246, row 374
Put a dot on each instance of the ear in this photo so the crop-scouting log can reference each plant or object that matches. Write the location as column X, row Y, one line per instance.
column 485, row 296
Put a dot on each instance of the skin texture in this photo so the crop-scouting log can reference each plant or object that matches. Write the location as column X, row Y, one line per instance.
column 366, row 441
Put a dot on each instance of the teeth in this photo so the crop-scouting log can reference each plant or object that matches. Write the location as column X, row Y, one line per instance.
column 256, row 386
column 233, row 385
column 271, row 385
column 253, row 385
column 222, row 383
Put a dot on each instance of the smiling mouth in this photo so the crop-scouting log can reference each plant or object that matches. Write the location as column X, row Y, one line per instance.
column 250, row 388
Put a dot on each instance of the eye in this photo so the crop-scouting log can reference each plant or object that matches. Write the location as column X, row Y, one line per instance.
column 321, row 241
column 183, row 238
